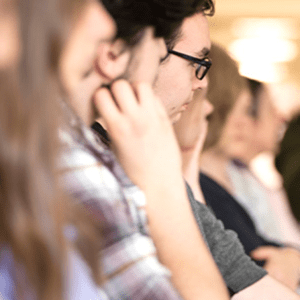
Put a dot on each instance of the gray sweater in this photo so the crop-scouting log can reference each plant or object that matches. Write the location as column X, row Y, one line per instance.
column 236, row 267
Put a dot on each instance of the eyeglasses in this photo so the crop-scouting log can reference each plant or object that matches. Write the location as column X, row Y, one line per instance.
column 203, row 64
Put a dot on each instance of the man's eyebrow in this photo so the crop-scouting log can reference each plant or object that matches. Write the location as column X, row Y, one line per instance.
column 105, row 40
column 204, row 52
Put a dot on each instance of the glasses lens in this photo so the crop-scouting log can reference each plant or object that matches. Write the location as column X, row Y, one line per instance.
column 201, row 71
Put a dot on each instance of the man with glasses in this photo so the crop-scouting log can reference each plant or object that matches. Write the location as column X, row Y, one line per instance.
column 203, row 64
column 183, row 71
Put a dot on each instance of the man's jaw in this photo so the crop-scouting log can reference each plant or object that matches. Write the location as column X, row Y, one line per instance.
column 175, row 116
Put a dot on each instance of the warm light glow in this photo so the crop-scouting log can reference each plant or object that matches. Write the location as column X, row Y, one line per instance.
column 286, row 98
column 266, row 72
column 279, row 28
column 263, row 46
column 263, row 49
column 263, row 167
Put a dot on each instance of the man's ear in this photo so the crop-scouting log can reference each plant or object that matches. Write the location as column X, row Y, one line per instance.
column 112, row 59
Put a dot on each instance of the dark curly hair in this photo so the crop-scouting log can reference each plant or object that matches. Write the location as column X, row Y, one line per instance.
column 165, row 16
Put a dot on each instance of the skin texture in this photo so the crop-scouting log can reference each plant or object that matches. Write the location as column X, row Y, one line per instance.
column 77, row 72
column 195, row 118
column 191, row 131
column 280, row 264
column 9, row 37
column 266, row 289
column 176, row 82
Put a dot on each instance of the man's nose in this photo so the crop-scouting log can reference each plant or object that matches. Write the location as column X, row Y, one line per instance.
column 200, row 84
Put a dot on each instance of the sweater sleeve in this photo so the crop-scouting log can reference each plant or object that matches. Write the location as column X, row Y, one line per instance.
column 233, row 216
column 237, row 268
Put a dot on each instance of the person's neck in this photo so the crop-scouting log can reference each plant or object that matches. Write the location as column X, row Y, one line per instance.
column 214, row 164
column 246, row 158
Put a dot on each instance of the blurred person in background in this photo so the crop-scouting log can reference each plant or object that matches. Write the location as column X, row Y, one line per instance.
column 190, row 131
column 231, row 98
column 49, row 247
column 269, row 208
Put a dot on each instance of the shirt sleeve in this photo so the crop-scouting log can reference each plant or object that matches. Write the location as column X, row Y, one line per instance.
column 7, row 280
column 13, row 279
column 79, row 284
column 134, row 272
column 236, row 267
column 128, row 258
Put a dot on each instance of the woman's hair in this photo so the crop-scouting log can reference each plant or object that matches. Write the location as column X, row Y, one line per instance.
column 255, row 88
column 225, row 86
column 33, row 211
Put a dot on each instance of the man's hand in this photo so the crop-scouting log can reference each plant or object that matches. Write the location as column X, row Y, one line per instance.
column 141, row 133
column 145, row 144
column 266, row 288
column 281, row 263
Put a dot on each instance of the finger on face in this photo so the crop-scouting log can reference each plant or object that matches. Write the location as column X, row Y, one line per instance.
column 144, row 93
column 124, row 96
column 106, row 106
column 150, row 101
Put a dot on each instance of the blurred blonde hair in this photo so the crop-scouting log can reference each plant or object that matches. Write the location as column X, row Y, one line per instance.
column 33, row 210
column 225, row 86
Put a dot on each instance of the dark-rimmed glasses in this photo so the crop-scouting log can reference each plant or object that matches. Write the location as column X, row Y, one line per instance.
column 203, row 64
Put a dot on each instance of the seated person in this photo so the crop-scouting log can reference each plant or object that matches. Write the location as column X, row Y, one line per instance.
column 268, row 207
column 231, row 99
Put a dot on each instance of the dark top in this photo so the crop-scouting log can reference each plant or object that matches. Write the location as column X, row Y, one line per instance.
column 288, row 164
column 233, row 215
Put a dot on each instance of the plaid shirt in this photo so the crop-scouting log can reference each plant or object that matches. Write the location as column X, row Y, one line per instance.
column 91, row 174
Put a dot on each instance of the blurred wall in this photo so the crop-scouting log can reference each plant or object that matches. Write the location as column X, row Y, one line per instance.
column 264, row 35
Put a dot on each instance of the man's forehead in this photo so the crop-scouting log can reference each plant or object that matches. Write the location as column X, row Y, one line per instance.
column 195, row 36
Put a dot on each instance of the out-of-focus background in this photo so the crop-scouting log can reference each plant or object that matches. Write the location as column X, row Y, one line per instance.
column 264, row 37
